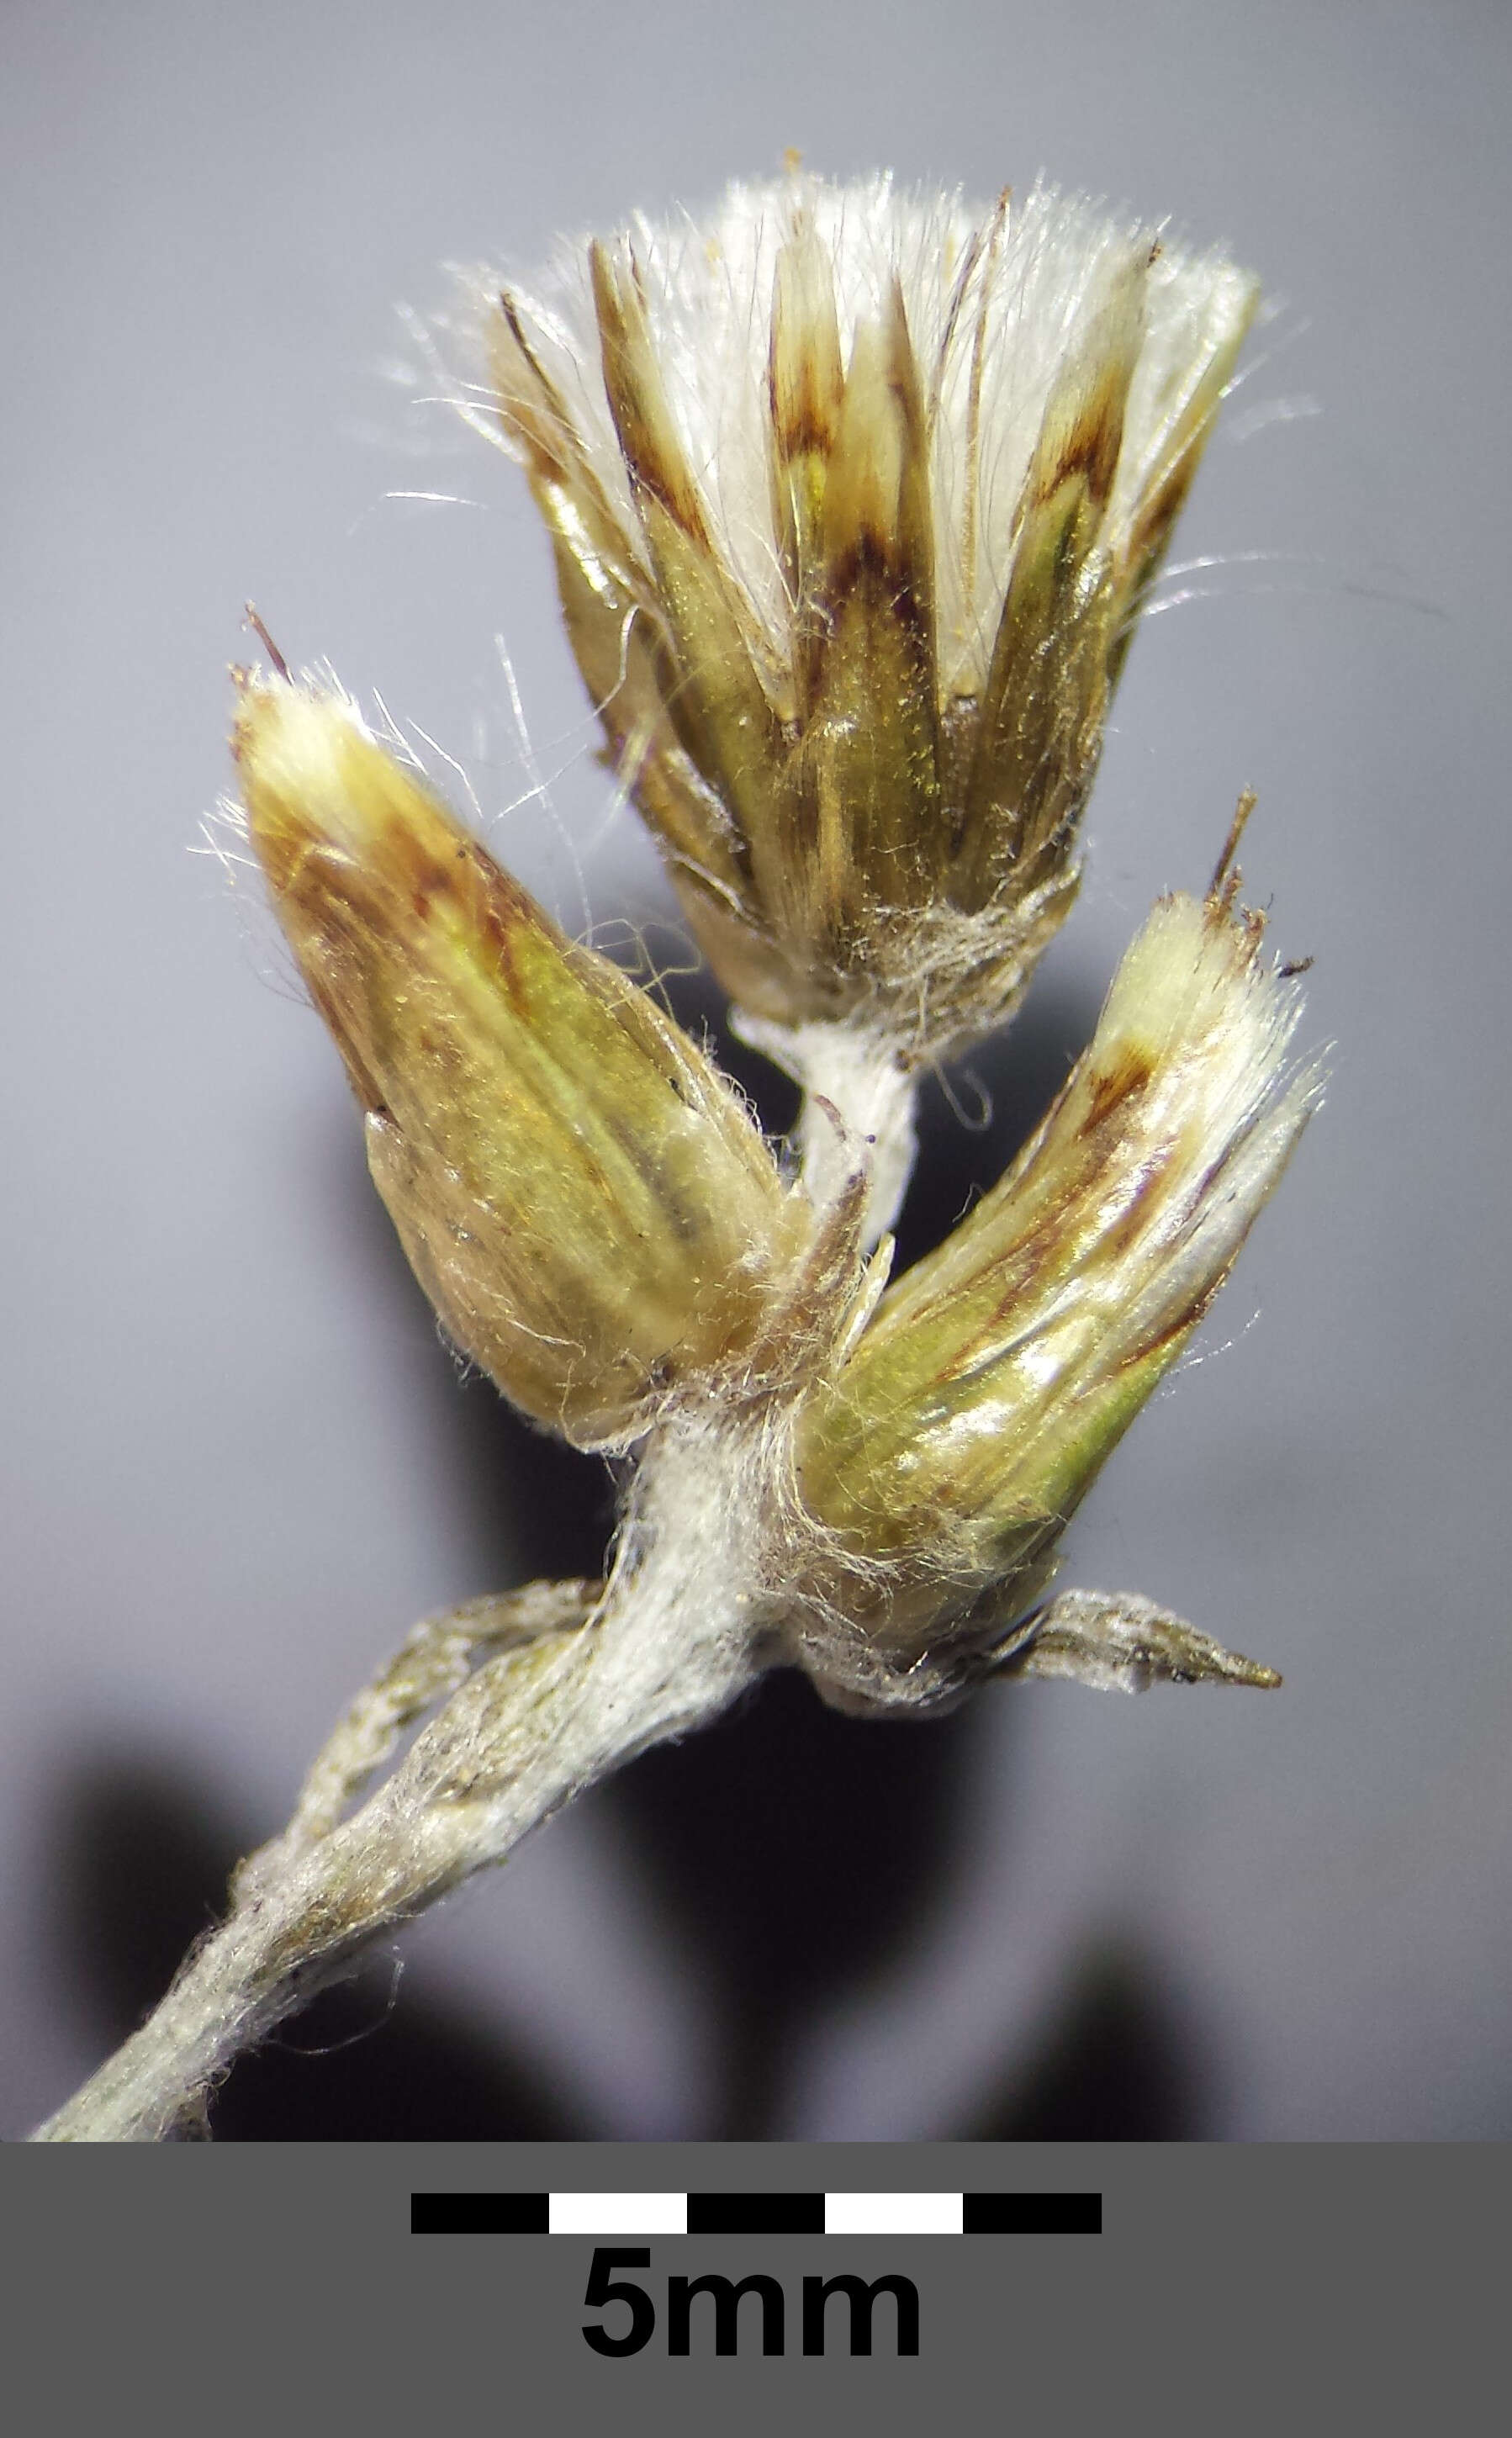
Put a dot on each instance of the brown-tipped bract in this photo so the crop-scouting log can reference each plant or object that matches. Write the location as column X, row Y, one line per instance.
column 856, row 498
column 952, row 1446
column 586, row 1202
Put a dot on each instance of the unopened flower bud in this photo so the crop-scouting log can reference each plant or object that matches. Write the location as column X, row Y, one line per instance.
column 586, row 1202
column 950, row 1449
column 854, row 497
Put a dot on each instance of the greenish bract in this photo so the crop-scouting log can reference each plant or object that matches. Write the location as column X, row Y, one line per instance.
column 582, row 1196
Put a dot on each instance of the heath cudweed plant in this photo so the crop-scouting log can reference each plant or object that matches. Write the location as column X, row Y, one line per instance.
column 854, row 497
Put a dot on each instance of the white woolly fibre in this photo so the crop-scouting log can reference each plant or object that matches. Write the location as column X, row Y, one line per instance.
column 996, row 303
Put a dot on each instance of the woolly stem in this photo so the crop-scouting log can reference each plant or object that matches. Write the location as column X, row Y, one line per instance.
column 859, row 1100
column 668, row 1647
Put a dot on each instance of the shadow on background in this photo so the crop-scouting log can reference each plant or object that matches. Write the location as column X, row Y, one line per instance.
column 1114, row 2067
column 793, row 1852
column 142, row 1866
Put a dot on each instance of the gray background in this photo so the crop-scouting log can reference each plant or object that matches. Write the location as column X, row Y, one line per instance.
column 1370, row 2279
column 236, row 1462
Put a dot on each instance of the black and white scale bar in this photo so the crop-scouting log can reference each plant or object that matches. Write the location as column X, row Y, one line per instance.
column 640, row 2214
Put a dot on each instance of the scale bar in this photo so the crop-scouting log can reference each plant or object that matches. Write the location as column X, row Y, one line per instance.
column 892, row 2214
column 1032, row 2212
column 646, row 2214
column 480, row 2212
column 756, row 2214
column 618, row 2213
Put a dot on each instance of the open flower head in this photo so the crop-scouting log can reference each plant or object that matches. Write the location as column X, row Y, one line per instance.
column 951, row 1447
column 855, row 496
column 584, row 1199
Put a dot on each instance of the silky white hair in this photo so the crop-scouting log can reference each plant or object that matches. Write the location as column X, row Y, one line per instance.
column 998, row 302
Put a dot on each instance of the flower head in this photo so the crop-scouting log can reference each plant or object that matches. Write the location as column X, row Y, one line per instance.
column 951, row 1447
column 583, row 1197
column 855, row 496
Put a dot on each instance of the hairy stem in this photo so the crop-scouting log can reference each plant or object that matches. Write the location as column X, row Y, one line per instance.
column 860, row 1099
column 667, row 1646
